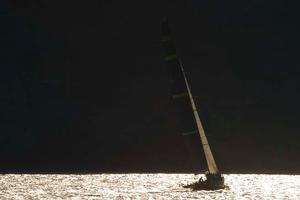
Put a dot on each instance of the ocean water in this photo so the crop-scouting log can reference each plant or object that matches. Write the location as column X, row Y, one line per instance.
column 145, row 186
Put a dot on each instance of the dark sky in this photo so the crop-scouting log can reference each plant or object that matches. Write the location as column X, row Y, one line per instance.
column 84, row 86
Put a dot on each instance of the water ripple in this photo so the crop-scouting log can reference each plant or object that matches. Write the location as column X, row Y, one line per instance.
column 144, row 186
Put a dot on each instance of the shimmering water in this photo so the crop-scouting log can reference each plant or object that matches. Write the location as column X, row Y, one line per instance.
column 145, row 186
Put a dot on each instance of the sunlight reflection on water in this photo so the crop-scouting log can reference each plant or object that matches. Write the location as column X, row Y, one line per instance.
column 145, row 186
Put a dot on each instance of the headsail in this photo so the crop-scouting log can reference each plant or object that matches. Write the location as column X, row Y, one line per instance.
column 183, row 90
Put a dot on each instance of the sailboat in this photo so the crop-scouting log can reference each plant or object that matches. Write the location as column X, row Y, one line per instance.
column 181, row 90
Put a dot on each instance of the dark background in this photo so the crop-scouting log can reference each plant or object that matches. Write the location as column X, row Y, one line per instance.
column 84, row 87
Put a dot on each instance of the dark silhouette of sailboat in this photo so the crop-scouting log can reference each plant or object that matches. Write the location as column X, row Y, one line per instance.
column 181, row 90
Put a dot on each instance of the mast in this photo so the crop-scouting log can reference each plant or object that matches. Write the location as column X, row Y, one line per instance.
column 178, row 72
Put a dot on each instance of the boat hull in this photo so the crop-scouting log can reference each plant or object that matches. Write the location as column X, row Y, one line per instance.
column 212, row 182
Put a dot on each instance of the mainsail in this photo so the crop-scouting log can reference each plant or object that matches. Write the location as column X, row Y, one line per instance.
column 181, row 90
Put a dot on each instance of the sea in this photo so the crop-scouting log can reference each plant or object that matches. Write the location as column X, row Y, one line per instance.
column 145, row 186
